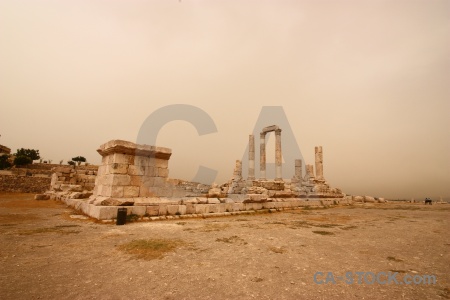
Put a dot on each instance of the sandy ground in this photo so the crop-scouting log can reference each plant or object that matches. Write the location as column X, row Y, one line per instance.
column 46, row 254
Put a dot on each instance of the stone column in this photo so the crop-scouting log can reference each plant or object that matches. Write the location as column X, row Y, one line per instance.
column 309, row 173
column 319, row 163
column 278, row 156
column 298, row 169
column 238, row 170
column 251, row 157
column 262, row 156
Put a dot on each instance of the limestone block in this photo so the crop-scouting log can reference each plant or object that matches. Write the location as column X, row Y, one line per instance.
column 178, row 193
column 358, row 199
column 162, row 209
column 136, row 180
column 137, row 210
column 238, row 206
column 104, row 213
column 131, row 191
column 114, row 202
column 148, row 181
column 213, row 208
column 153, row 210
column 201, row 208
column 381, row 200
column 142, row 161
column 213, row 201
column 118, row 179
column 144, row 191
column 161, row 163
column 214, row 192
column 102, row 170
column 268, row 205
column 161, row 172
column 116, row 168
column 159, row 181
column 150, row 171
column 116, row 191
column 202, row 200
column 165, row 192
column 136, row 170
column 190, row 208
column 120, row 158
column 369, row 199
column 173, row 209
column 182, row 209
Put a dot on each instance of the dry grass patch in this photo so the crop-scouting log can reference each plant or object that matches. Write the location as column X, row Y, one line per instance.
column 57, row 229
column 150, row 249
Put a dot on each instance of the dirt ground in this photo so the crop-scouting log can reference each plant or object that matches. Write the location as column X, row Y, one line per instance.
column 48, row 253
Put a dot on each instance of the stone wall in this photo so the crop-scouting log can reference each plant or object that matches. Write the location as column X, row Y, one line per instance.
column 24, row 184
column 84, row 176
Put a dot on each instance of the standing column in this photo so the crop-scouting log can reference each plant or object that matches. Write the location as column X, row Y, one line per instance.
column 298, row 169
column 262, row 156
column 319, row 163
column 278, row 156
column 238, row 170
column 251, row 157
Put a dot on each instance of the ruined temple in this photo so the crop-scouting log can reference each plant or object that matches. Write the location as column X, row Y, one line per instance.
column 137, row 176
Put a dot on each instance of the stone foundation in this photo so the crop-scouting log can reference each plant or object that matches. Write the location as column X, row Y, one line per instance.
column 23, row 184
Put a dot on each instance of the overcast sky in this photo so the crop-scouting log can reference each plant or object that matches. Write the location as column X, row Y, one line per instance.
column 367, row 80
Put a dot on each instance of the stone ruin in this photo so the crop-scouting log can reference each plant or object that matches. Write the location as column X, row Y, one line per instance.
column 137, row 176
column 312, row 185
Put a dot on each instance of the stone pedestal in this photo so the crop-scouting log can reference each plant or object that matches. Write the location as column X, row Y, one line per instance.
column 130, row 170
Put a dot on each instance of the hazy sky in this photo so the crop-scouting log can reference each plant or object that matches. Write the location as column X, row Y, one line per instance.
column 367, row 80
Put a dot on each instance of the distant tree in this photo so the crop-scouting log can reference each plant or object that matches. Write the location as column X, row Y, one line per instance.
column 4, row 162
column 22, row 160
column 79, row 159
column 61, row 161
column 72, row 163
column 31, row 153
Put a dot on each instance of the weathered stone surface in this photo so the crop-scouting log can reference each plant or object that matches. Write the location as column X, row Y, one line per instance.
column 130, row 191
column 116, row 202
column 256, row 198
column 153, row 210
column 213, row 201
column 41, row 197
column 358, row 199
column 125, row 147
column 369, row 199
column 269, row 184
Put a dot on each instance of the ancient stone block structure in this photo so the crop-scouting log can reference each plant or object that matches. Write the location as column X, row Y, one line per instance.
column 129, row 170
column 137, row 176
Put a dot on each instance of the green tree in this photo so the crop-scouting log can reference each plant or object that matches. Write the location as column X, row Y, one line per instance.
column 72, row 163
column 22, row 160
column 31, row 153
column 79, row 159
column 4, row 162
